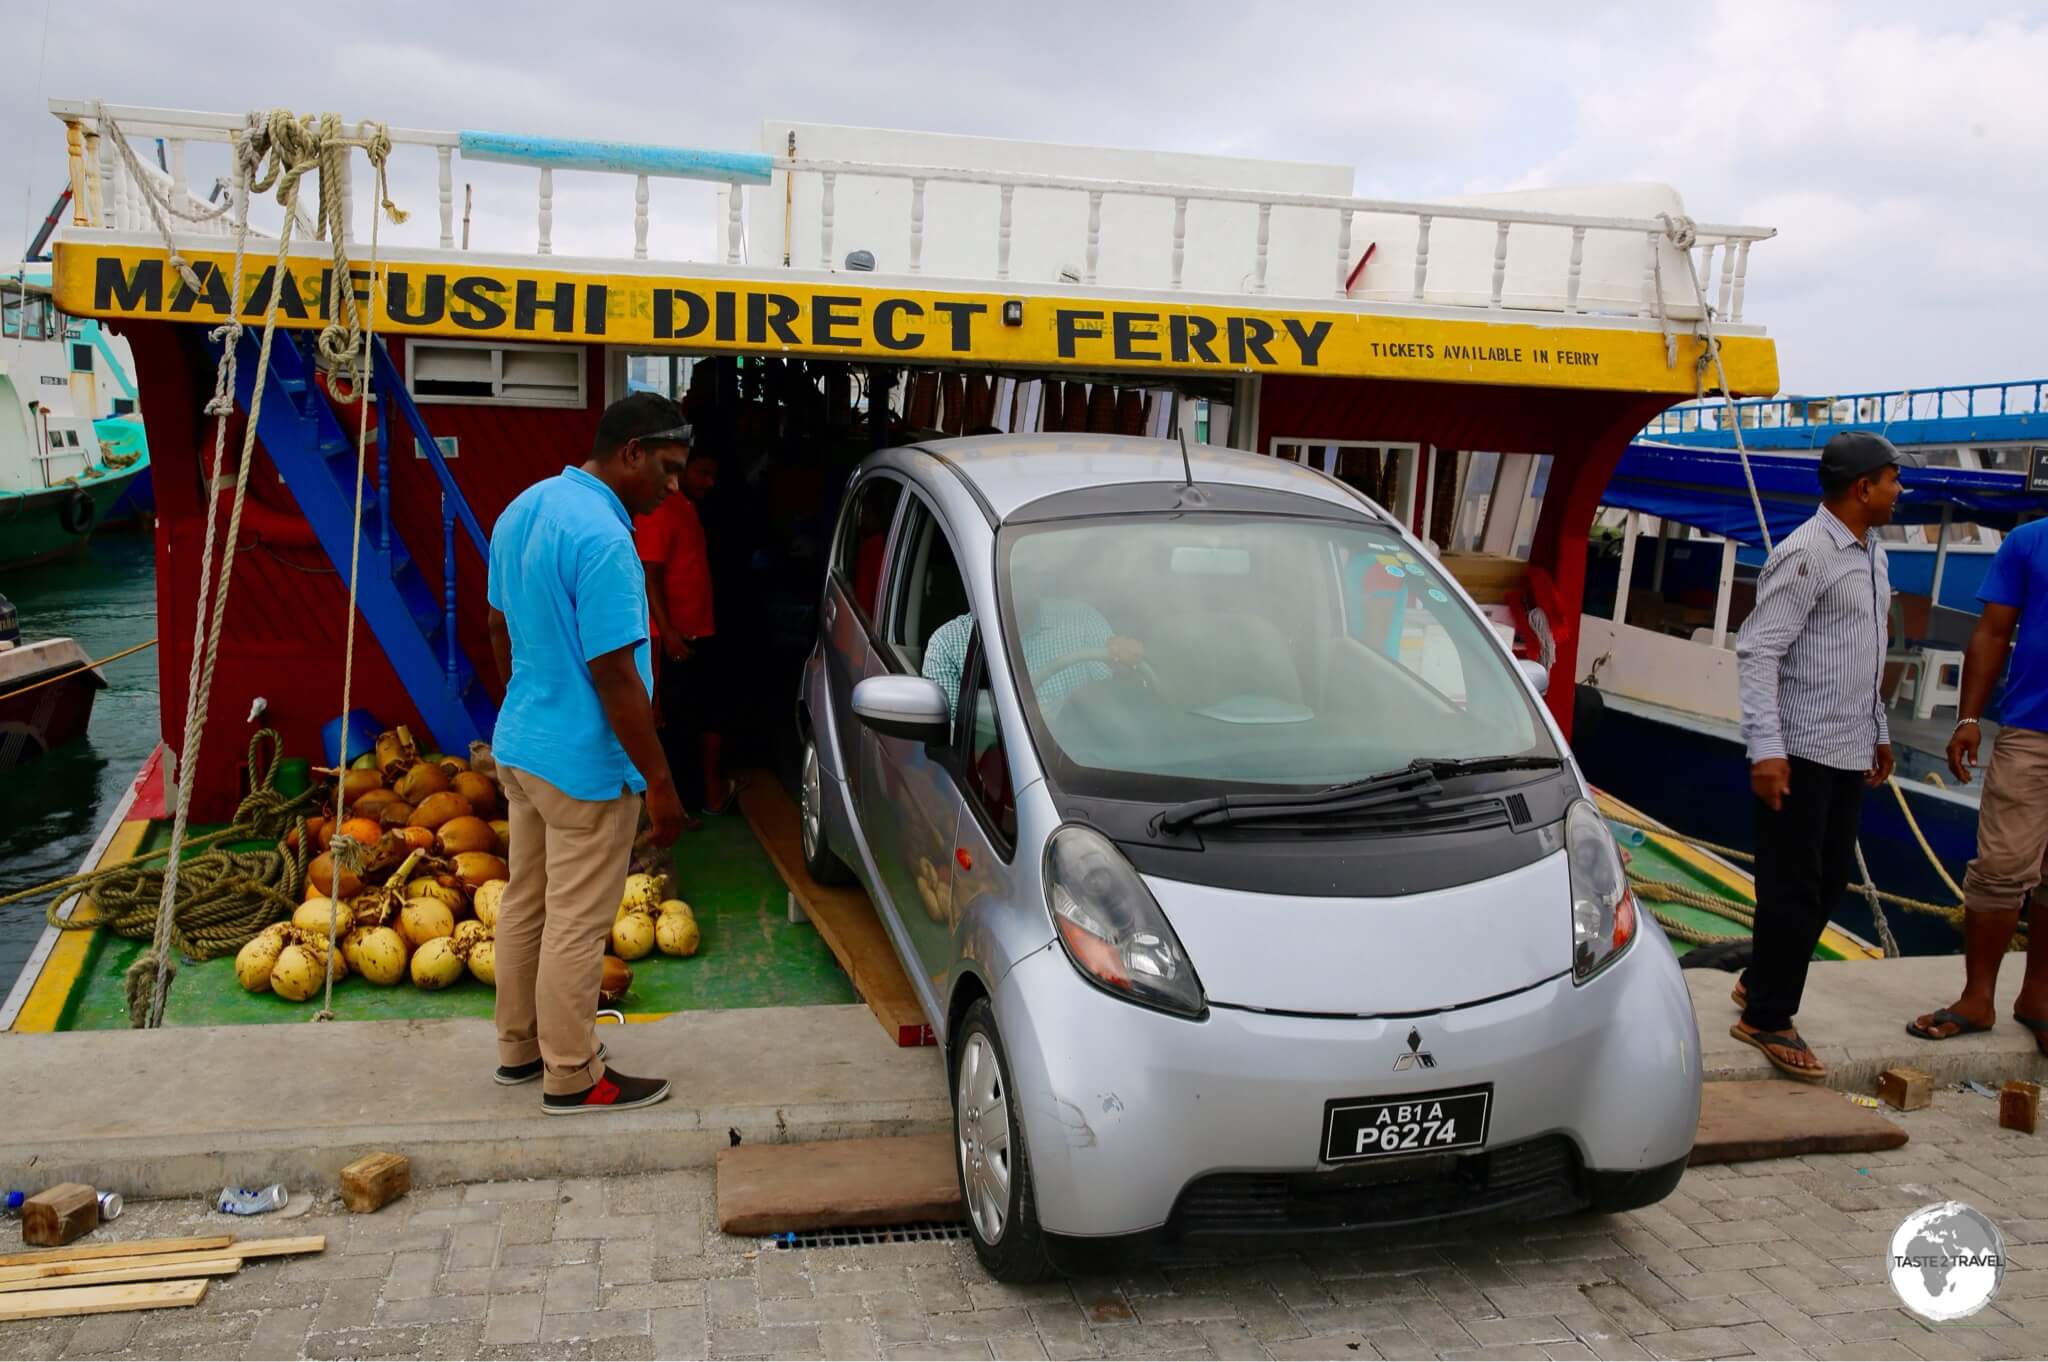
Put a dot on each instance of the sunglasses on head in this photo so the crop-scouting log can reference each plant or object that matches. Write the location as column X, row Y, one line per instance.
column 674, row 434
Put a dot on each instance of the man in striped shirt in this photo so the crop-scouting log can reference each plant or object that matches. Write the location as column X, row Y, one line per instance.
column 1811, row 664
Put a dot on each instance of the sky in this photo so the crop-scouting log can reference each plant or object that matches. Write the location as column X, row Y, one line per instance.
column 1895, row 146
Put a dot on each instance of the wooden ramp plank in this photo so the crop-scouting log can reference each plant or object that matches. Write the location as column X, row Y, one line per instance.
column 1776, row 1118
column 834, row 1184
column 141, row 1272
column 248, row 1248
column 844, row 917
column 116, row 1249
column 100, row 1300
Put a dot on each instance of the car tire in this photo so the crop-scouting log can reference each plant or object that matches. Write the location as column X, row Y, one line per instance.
column 989, row 1154
column 820, row 862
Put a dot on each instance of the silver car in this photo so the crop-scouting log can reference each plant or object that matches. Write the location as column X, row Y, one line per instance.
column 1241, row 870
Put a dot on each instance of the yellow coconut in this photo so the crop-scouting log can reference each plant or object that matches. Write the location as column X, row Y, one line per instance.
column 356, row 784
column 370, row 801
column 313, row 916
column 421, row 781
column 395, row 814
column 478, row 868
column 424, row 920
column 437, row 809
column 454, row 766
column 466, row 935
column 427, row 887
column 380, row 955
column 633, row 936
column 677, row 933
column 467, row 833
column 321, row 872
column 436, row 964
column 483, row 961
column 297, row 975
column 255, row 960
column 480, row 791
column 501, row 828
column 643, row 892
column 489, row 895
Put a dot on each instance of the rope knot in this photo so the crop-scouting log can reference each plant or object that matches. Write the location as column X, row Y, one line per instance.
column 1680, row 230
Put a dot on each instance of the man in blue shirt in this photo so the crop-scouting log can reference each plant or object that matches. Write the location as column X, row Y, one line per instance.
column 576, row 746
column 2011, row 866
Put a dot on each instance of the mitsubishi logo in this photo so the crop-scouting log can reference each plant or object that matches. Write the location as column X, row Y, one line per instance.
column 1417, row 1057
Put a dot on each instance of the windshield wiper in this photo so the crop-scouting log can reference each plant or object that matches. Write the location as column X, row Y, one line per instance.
column 1418, row 780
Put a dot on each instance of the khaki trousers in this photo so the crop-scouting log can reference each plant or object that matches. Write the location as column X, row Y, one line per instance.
column 568, row 872
column 2012, row 825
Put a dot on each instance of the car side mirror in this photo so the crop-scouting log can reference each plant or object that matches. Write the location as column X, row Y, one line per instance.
column 1538, row 674
column 907, row 707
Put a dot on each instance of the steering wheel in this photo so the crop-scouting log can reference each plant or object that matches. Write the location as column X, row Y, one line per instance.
column 1142, row 668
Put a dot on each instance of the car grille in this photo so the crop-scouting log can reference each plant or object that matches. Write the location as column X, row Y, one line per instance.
column 1533, row 1179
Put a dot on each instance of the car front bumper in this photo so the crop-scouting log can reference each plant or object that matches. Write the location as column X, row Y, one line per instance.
column 1137, row 1122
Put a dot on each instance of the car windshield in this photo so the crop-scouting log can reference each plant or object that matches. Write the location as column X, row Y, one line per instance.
column 1169, row 656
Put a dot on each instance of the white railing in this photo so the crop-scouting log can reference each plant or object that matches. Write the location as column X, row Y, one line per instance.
column 104, row 197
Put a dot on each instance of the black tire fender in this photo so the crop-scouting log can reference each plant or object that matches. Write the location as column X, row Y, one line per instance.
column 78, row 513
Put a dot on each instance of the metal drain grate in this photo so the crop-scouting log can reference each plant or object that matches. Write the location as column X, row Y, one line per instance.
column 918, row 1232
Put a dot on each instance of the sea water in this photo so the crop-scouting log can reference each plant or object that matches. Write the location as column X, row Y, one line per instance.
column 52, row 808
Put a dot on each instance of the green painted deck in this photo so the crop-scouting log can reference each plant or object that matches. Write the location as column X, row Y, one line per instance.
column 752, row 956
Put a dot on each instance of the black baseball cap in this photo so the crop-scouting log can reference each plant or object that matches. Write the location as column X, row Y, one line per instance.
column 1854, row 454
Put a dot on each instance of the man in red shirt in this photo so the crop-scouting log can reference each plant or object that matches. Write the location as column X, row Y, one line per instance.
column 692, row 680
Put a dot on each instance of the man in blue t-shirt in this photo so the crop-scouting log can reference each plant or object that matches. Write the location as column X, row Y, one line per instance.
column 576, row 746
column 2011, row 866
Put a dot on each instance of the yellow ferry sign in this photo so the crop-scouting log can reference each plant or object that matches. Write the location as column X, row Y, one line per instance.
column 903, row 326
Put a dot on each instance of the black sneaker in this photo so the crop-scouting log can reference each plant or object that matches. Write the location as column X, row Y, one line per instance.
column 613, row 1092
column 512, row 1075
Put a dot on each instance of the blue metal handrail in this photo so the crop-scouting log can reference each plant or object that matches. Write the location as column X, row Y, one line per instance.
column 392, row 388
column 1890, row 406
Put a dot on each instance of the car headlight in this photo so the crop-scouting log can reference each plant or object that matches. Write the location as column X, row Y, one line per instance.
column 1603, row 908
column 1111, row 926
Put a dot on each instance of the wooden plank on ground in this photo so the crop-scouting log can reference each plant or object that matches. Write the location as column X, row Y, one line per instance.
column 100, row 1300
column 274, row 1248
column 835, row 1184
column 146, row 1271
column 248, row 1248
column 117, row 1249
column 1776, row 1118
column 844, row 917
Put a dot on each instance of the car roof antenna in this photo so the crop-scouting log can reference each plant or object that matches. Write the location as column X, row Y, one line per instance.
column 1188, row 467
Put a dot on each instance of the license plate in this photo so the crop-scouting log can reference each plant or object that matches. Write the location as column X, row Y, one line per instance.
column 1357, row 1128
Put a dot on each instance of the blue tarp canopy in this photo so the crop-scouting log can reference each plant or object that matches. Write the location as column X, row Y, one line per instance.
column 1705, row 488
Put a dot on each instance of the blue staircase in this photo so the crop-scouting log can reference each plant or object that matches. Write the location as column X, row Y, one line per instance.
column 316, row 457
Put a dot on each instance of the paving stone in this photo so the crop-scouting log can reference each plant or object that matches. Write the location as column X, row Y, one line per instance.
column 1323, row 1346
column 781, row 1341
column 537, row 1189
column 513, row 1319
column 366, row 1343
column 1694, row 1343
column 573, row 1288
column 593, row 1324
column 680, row 1331
column 1521, row 1331
column 653, row 1295
column 103, row 1335
column 732, row 1302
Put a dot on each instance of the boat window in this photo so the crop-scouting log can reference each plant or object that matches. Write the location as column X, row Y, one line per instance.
column 24, row 316
column 495, row 375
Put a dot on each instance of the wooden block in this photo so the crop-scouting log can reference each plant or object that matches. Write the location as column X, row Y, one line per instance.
column 2019, row 1106
column 1905, row 1089
column 60, row 1214
column 99, row 1300
column 374, row 1181
column 131, row 1248
column 1776, row 1118
column 272, row 1248
column 145, row 1272
column 831, row 1184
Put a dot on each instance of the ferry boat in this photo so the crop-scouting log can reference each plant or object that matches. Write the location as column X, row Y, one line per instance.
column 72, row 447
column 857, row 287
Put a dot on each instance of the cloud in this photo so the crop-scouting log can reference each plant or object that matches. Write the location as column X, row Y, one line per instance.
column 1892, row 145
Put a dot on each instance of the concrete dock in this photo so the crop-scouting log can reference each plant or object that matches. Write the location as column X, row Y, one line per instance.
column 184, row 1111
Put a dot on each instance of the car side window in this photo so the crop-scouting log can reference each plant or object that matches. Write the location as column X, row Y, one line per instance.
column 863, row 536
column 929, row 620
column 987, row 777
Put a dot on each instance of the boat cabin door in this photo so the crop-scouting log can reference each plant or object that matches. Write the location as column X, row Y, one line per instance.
column 1389, row 473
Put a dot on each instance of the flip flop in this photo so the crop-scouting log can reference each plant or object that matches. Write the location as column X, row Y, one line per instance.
column 1740, row 995
column 1947, row 1017
column 2038, row 1025
column 1763, row 1041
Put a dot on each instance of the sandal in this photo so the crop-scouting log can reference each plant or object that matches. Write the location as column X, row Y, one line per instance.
column 2038, row 1025
column 1740, row 995
column 1946, row 1017
column 1782, row 1048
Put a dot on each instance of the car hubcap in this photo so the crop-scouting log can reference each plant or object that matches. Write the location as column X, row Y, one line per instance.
column 983, row 1117
column 814, row 803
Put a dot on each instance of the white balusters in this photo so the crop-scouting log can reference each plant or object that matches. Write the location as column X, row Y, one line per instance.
column 1180, row 236
column 98, row 168
column 1094, row 235
column 640, row 217
column 1003, row 234
column 734, row 206
column 547, row 211
column 74, row 148
column 110, row 191
column 1651, row 302
column 917, row 224
column 1265, row 240
column 446, row 157
column 1741, row 277
column 1703, row 269
column 1500, row 262
column 825, row 219
column 348, row 199
column 1727, row 275
column 1422, row 222
column 181, row 197
column 1571, row 285
column 1343, row 251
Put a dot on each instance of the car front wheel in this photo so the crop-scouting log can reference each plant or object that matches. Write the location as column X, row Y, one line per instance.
column 820, row 863
column 995, row 1173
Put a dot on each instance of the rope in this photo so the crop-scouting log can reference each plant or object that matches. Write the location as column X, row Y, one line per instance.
column 1870, row 895
column 1913, row 824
